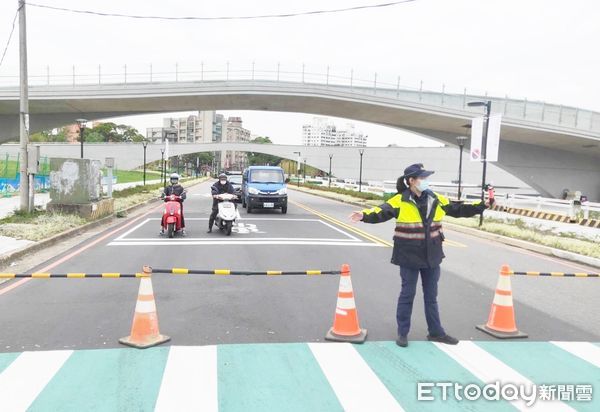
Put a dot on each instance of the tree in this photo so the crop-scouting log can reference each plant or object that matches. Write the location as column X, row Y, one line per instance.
column 49, row 136
column 261, row 158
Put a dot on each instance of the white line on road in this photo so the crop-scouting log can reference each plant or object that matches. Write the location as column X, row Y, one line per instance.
column 133, row 229
column 178, row 242
column 190, row 380
column 489, row 369
column 25, row 378
column 251, row 218
column 353, row 381
column 210, row 239
column 339, row 230
column 584, row 350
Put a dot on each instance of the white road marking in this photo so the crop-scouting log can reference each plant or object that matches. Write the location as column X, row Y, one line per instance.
column 177, row 242
column 489, row 369
column 25, row 378
column 190, row 380
column 584, row 350
column 133, row 229
column 340, row 230
column 356, row 385
column 209, row 239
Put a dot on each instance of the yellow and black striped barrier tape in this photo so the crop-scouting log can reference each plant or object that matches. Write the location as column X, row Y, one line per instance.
column 557, row 274
column 185, row 271
column 173, row 271
column 43, row 275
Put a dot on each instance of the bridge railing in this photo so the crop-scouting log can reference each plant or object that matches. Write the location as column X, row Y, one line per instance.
column 348, row 82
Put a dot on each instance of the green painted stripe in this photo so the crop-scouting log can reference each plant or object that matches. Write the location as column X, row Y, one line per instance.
column 6, row 359
column 401, row 368
column 272, row 377
column 545, row 363
column 105, row 380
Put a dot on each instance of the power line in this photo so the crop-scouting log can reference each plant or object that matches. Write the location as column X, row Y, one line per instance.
column 10, row 36
column 265, row 16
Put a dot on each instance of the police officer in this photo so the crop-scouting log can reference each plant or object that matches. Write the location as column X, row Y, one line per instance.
column 174, row 189
column 220, row 187
column 418, row 241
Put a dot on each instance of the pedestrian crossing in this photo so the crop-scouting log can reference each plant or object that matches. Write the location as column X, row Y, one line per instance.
column 375, row 376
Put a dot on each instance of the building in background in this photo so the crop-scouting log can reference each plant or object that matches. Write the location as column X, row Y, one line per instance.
column 195, row 128
column 233, row 132
column 323, row 132
column 206, row 127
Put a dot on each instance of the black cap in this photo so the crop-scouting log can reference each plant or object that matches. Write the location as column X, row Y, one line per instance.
column 417, row 170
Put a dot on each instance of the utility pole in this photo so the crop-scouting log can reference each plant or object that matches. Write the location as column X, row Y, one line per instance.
column 23, row 112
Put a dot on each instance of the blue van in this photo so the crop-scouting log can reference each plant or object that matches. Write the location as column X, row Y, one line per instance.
column 264, row 187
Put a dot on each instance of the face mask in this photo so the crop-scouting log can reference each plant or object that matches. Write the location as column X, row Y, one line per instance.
column 223, row 182
column 423, row 185
column 174, row 182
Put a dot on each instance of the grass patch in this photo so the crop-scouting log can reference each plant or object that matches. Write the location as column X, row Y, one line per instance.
column 341, row 191
column 38, row 225
column 128, row 176
column 519, row 230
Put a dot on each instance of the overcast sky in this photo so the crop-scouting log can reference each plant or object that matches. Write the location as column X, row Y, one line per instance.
column 539, row 49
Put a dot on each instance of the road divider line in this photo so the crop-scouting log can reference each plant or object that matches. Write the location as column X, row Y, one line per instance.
column 25, row 378
column 584, row 350
column 190, row 380
column 353, row 381
column 490, row 369
column 362, row 233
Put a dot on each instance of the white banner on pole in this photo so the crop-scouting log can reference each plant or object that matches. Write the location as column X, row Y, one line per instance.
column 493, row 138
column 166, row 149
column 476, row 136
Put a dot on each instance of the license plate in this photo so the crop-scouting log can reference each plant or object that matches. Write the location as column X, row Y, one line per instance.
column 268, row 204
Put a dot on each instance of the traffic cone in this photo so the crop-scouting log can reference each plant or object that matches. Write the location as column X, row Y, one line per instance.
column 345, row 323
column 144, row 329
column 501, row 322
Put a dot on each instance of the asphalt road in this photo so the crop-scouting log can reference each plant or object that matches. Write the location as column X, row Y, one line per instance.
column 314, row 234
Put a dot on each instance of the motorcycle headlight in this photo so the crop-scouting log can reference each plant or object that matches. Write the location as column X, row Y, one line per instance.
column 282, row 191
column 253, row 190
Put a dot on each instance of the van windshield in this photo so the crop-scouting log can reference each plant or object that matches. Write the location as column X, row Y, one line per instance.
column 266, row 176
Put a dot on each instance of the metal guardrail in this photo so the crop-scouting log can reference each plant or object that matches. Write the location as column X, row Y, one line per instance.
column 521, row 109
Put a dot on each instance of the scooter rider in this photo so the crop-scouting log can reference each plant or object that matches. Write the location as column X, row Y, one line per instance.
column 220, row 187
column 174, row 189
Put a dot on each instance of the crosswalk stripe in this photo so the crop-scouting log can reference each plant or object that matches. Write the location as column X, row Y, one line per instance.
column 584, row 350
column 490, row 369
column 353, row 381
column 190, row 380
column 26, row 377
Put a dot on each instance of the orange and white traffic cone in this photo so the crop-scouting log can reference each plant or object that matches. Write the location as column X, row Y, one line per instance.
column 345, row 323
column 144, row 329
column 501, row 322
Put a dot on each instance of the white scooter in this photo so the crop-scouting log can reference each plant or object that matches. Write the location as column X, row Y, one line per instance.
column 227, row 214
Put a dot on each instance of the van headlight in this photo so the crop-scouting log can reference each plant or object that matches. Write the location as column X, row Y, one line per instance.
column 253, row 190
column 282, row 191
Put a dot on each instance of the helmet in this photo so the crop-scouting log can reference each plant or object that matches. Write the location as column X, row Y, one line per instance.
column 222, row 176
column 174, row 178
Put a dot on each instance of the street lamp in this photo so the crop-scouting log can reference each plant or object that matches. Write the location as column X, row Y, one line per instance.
column 162, row 165
column 298, row 168
column 361, row 151
column 81, row 123
column 488, row 108
column 304, row 178
column 145, row 145
column 461, row 143
column 330, row 157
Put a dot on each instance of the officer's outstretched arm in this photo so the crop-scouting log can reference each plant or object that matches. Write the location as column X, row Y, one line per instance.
column 384, row 212
column 464, row 210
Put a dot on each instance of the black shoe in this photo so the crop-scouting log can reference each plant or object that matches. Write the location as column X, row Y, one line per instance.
column 447, row 339
column 402, row 341
column 209, row 230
